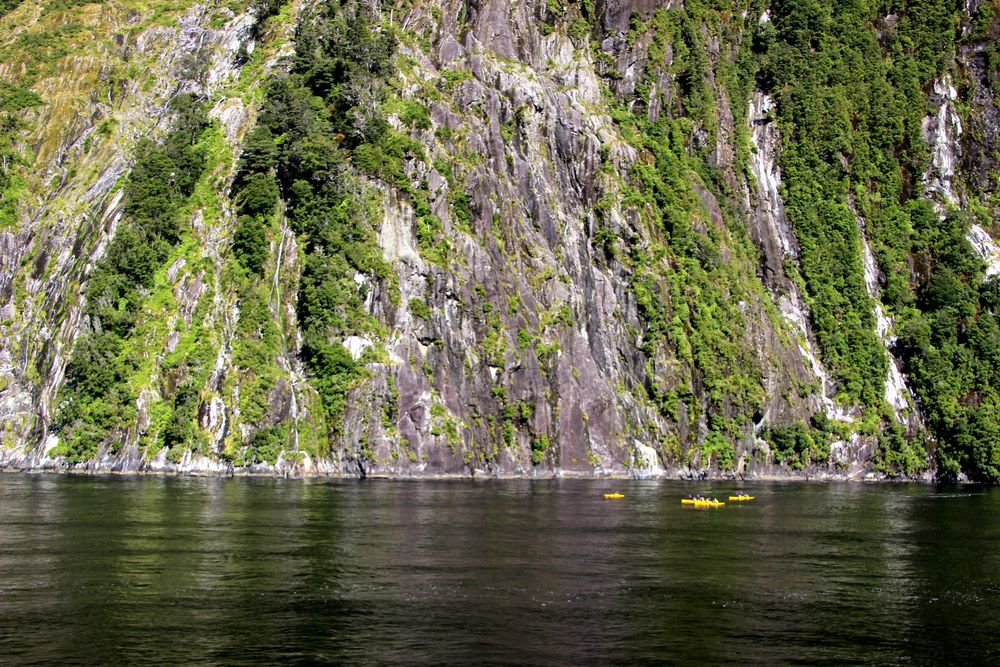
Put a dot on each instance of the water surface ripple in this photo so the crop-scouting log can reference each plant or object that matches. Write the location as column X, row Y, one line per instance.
column 107, row 570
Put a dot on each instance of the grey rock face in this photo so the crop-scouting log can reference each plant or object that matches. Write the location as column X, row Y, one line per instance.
column 534, row 343
column 524, row 351
column 65, row 234
column 979, row 156
column 543, row 180
column 618, row 13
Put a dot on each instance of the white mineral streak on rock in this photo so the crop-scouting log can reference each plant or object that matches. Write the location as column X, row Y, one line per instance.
column 319, row 466
column 9, row 260
column 357, row 345
column 969, row 9
column 232, row 115
column 146, row 398
column 853, row 455
column 106, row 181
column 839, row 453
column 6, row 369
column 51, row 442
column 896, row 393
column 395, row 235
column 217, row 419
column 229, row 39
column 196, row 463
column 766, row 141
column 112, row 216
column 187, row 294
column 172, row 341
column 395, row 238
column 647, row 461
column 871, row 267
column 160, row 463
column 987, row 249
column 942, row 131
column 174, row 269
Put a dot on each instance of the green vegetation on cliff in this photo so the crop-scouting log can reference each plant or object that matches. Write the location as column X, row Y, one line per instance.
column 950, row 339
column 461, row 126
column 97, row 400
column 13, row 100
column 850, row 110
column 691, row 270
column 315, row 125
column 851, row 103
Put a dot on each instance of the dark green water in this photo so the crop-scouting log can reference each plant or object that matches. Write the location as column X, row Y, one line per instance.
column 154, row 571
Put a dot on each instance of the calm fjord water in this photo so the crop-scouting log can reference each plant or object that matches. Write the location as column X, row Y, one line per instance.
column 178, row 571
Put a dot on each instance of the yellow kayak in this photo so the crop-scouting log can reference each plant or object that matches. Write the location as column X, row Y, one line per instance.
column 702, row 503
column 740, row 498
column 613, row 496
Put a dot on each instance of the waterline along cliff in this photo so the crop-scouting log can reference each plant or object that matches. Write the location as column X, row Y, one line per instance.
column 455, row 237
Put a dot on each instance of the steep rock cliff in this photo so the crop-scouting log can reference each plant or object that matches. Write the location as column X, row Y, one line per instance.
column 505, row 238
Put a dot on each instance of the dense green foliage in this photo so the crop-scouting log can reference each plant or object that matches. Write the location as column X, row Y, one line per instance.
column 316, row 125
column 162, row 179
column 13, row 100
column 686, row 293
column 799, row 445
column 851, row 104
column 97, row 398
column 263, row 10
column 950, row 339
column 256, row 196
column 850, row 116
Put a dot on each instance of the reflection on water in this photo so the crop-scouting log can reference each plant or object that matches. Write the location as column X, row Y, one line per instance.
column 127, row 571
